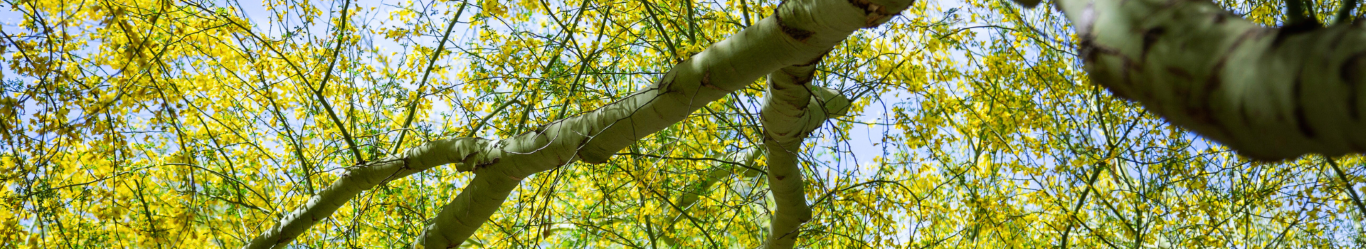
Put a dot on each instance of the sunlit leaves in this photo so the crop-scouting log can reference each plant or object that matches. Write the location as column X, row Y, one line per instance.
column 133, row 124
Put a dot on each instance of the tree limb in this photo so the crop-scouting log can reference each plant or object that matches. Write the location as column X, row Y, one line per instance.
column 800, row 32
column 1268, row 93
column 363, row 177
column 788, row 116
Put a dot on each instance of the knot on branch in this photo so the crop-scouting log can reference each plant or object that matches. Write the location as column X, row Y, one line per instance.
column 874, row 14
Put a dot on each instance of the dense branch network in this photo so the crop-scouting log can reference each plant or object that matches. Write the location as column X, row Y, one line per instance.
column 1269, row 93
column 798, row 33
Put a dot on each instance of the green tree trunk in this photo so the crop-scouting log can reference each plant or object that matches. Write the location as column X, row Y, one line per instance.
column 1269, row 93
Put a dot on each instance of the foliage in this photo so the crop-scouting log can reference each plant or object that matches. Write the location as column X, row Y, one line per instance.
column 159, row 123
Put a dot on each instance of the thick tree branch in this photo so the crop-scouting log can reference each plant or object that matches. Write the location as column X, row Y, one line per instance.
column 788, row 116
column 799, row 32
column 1269, row 93
column 469, row 152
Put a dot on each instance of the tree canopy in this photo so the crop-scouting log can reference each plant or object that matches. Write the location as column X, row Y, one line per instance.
column 646, row 124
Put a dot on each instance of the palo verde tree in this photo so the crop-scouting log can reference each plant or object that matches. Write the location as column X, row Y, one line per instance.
column 647, row 124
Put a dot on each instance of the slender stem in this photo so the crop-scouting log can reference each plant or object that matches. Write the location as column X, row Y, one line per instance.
column 1344, row 15
column 1094, row 175
column 318, row 92
column 1099, row 167
column 1310, row 12
column 484, row 120
column 583, row 64
column 663, row 34
column 1294, row 12
column 744, row 11
column 692, row 23
column 1347, row 184
column 441, row 46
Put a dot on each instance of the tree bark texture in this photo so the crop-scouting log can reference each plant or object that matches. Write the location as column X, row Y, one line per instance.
column 1268, row 93
column 361, row 178
column 789, row 115
column 799, row 32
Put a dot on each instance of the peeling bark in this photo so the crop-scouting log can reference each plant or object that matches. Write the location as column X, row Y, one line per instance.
column 1270, row 94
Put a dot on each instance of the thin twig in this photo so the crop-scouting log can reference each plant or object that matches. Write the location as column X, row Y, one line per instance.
column 1342, row 176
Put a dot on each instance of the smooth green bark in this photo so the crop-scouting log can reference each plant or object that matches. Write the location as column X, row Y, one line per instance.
column 361, row 178
column 800, row 31
column 792, row 110
column 1268, row 93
